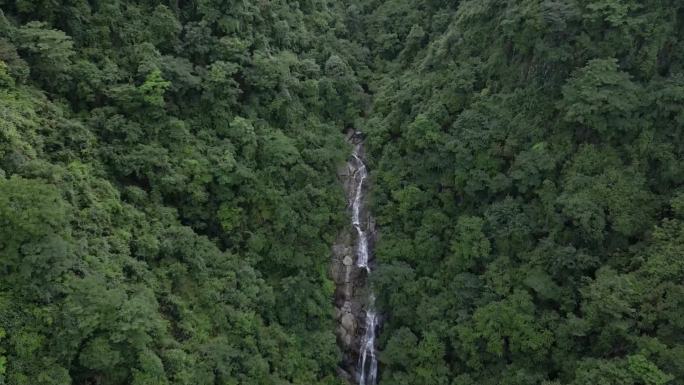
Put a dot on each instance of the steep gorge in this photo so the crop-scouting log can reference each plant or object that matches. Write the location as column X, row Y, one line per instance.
column 351, row 267
column 168, row 192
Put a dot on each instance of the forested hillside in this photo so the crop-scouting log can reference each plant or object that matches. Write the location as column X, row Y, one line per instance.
column 167, row 190
column 169, row 199
column 529, row 166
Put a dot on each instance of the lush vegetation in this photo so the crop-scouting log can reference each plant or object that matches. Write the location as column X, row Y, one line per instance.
column 529, row 187
column 167, row 190
column 168, row 195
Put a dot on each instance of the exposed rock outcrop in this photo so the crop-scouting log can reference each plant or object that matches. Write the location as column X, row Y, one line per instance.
column 349, row 278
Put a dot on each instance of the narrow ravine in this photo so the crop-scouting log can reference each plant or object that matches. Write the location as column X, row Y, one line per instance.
column 351, row 268
column 367, row 367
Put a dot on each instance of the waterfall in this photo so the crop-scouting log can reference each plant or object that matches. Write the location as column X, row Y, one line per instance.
column 368, row 363
column 360, row 176
column 367, row 367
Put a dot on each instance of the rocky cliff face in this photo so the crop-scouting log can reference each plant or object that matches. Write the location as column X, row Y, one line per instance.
column 348, row 308
column 350, row 279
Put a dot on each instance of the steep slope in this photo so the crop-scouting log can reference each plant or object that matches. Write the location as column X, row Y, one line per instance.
column 528, row 181
column 351, row 268
column 167, row 190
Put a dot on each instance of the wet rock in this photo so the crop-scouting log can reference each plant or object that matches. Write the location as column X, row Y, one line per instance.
column 348, row 340
column 351, row 291
column 337, row 272
column 343, row 374
column 348, row 322
column 340, row 250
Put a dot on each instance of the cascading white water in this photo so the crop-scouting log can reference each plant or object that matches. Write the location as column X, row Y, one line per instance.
column 367, row 369
column 360, row 175
column 368, row 363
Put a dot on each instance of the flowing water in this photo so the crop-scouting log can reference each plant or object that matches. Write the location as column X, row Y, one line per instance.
column 368, row 363
column 367, row 368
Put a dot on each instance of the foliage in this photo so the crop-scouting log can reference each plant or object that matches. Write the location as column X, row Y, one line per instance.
column 168, row 194
column 523, row 156
column 167, row 187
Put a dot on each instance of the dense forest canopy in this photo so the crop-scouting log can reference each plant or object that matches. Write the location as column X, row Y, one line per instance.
column 168, row 190
column 529, row 167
